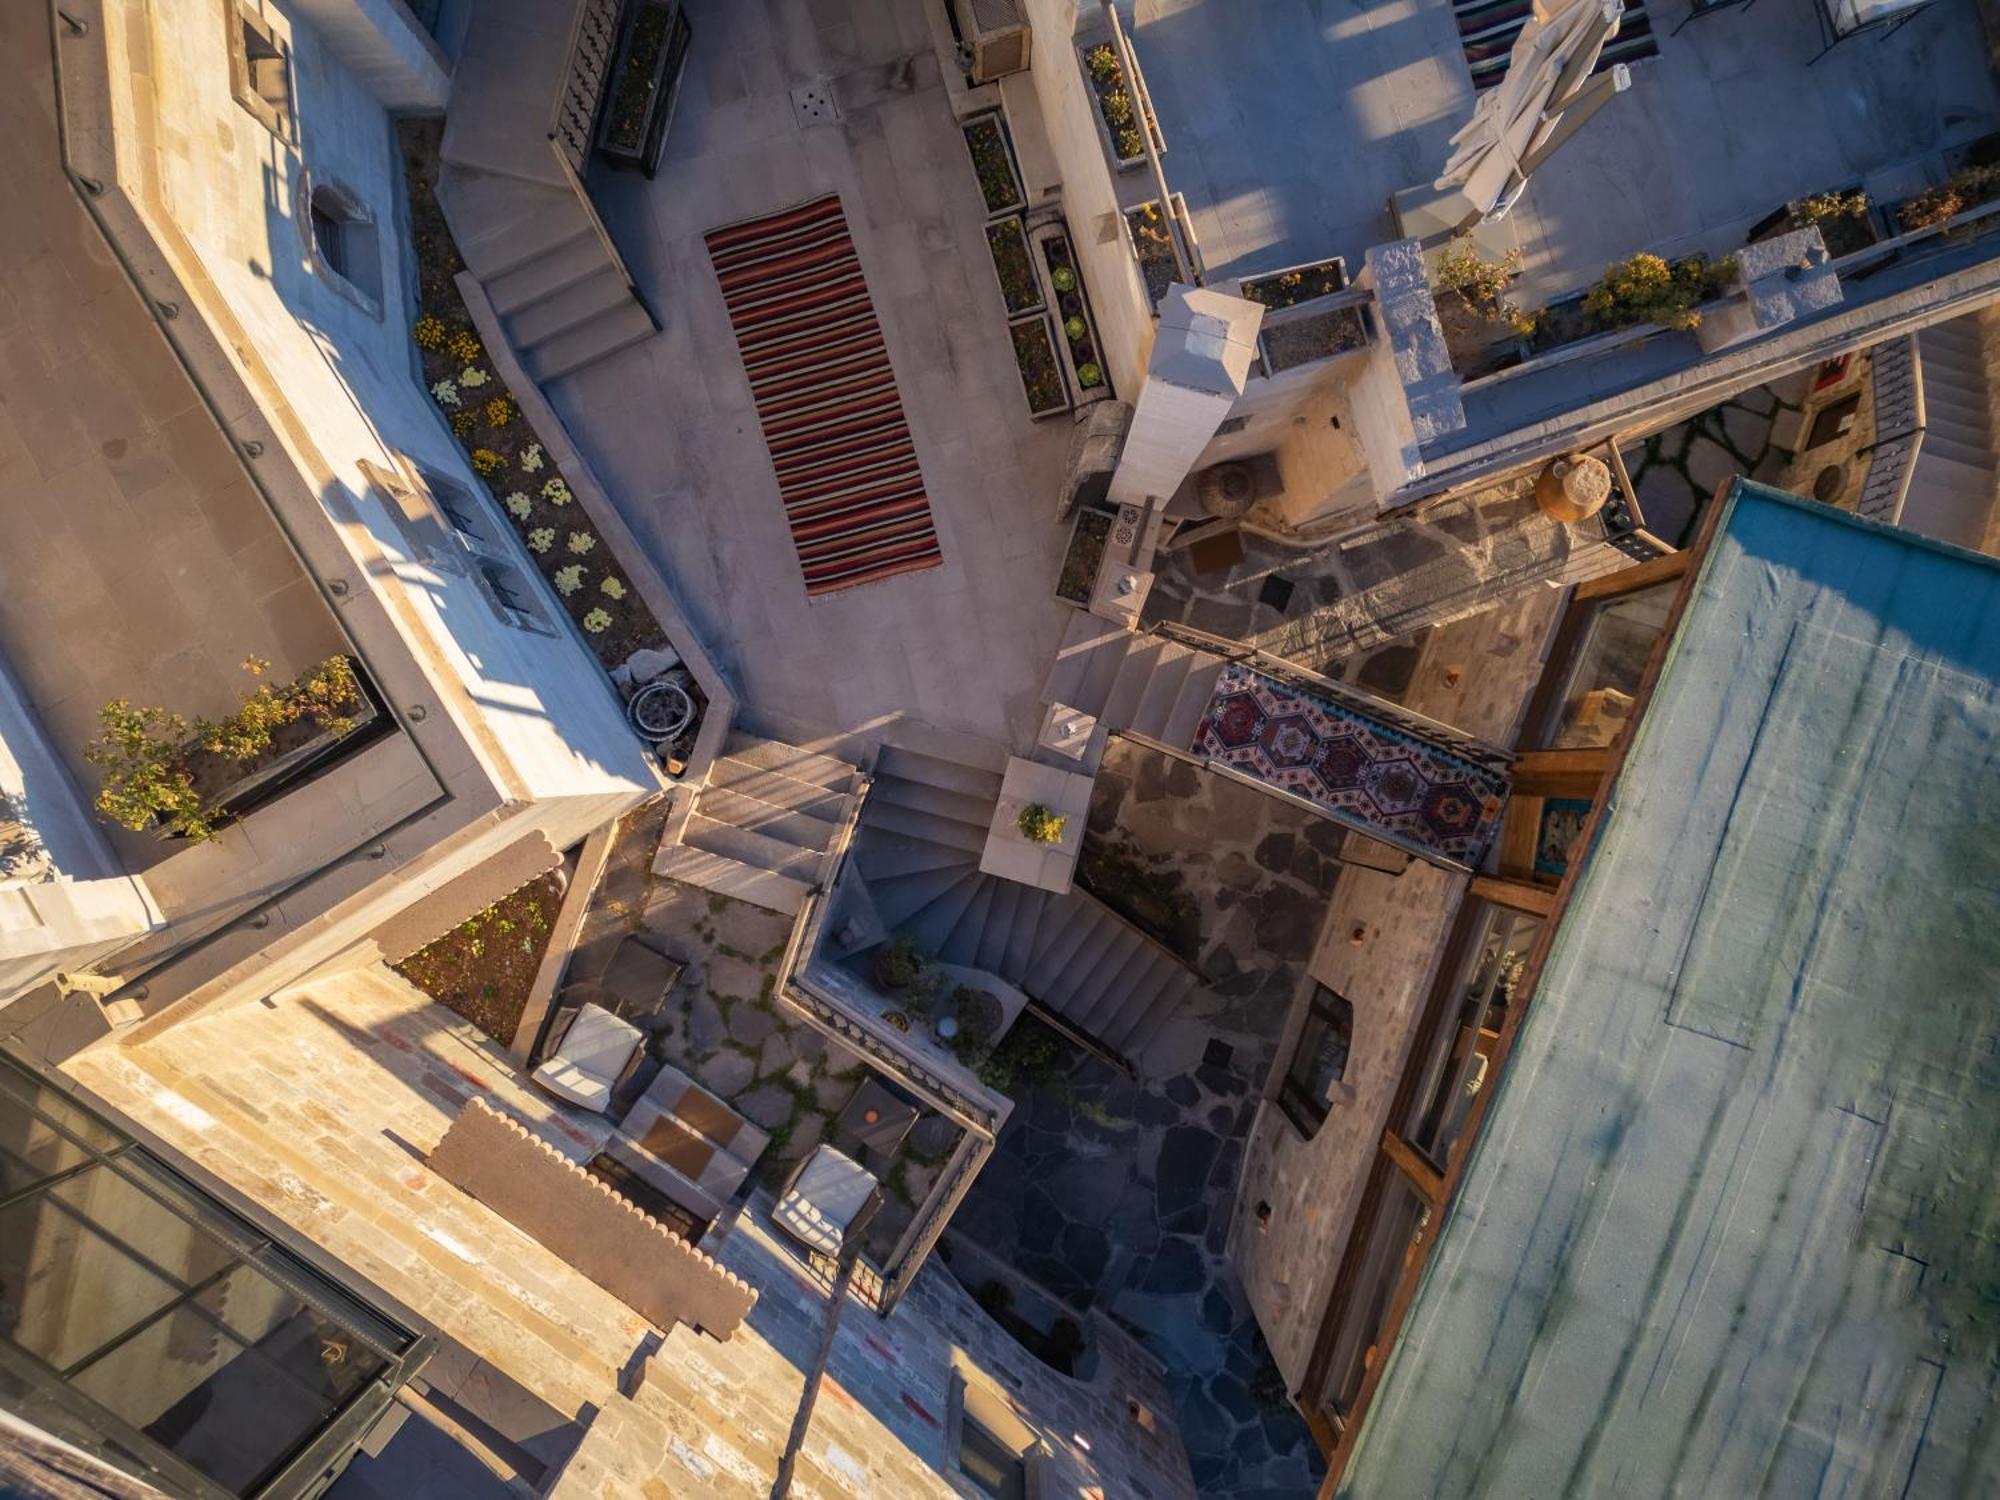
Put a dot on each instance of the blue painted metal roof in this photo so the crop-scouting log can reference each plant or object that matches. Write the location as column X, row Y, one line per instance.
column 1733, row 1225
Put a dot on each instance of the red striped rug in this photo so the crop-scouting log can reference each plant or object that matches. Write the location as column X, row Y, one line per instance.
column 826, row 397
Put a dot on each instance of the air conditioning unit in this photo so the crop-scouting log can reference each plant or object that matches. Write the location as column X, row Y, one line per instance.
column 993, row 38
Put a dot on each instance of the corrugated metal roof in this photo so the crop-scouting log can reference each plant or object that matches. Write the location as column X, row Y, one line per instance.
column 1733, row 1226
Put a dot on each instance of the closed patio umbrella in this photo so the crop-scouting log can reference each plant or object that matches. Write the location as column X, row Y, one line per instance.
column 1545, row 98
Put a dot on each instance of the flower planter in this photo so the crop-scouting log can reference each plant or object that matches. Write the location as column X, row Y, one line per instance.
column 1152, row 245
column 1296, row 284
column 1041, row 372
column 1308, row 332
column 1020, row 288
column 1076, row 328
column 1843, row 233
column 1087, row 539
column 1120, row 111
column 993, row 163
column 644, row 84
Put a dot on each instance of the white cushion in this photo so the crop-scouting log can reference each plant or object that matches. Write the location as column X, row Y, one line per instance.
column 592, row 1056
column 824, row 1200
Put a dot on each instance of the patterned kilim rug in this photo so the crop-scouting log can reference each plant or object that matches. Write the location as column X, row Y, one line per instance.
column 826, row 396
column 1418, row 794
column 1487, row 30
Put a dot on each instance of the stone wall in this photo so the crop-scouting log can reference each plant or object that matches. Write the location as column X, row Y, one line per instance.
column 1380, row 949
column 605, row 1236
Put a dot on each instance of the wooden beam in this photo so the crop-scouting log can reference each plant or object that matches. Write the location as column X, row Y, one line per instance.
column 1425, row 1178
column 1632, row 579
column 1517, row 894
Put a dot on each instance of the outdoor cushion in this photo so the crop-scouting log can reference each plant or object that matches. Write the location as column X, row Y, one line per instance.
column 825, row 1197
column 594, row 1052
column 686, row 1143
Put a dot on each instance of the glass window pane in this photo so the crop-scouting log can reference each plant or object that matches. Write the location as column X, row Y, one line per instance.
column 1320, row 1059
column 320, row 1355
column 146, row 1228
column 1455, row 1070
column 191, row 1387
column 1602, row 680
column 993, row 1467
column 66, row 1290
column 1391, row 1248
column 32, row 1147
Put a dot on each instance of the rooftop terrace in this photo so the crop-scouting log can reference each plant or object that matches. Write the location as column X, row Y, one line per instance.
column 1289, row 125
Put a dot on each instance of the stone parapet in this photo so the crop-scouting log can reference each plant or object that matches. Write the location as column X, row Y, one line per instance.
column 608, row 1238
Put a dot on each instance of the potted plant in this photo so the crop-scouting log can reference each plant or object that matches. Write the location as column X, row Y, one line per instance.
column 188, row 778
column 643, row 84
column 1296, row 284
column 1041, row 376
column 1965, row 189
column 1119, row 107
column 1038, row 824
column 1007, row 243
column 898, row 966
column 1483, row 326
column 992, row 152
column 1645, row 288
column 1845, row 218
column 1153, row 247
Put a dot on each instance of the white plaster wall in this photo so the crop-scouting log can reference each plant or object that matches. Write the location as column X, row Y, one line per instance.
column 550, row 723
column 1056, row 87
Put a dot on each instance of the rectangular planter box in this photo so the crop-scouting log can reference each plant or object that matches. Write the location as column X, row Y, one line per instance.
column 1308, row 332
column 1296, row 284
column 1147, row 237
column 991, row 148
column 1013, row 269
column 1117, row 138
column 1041, row 371
column 1843, row 235
column 1076, row 330
column 644, row 84
column 1087, row 539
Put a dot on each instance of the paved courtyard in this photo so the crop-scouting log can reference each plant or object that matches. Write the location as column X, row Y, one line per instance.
column 1115, row 1192
column 671, row 428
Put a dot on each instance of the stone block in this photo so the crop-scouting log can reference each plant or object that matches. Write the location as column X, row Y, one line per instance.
column 1415, row 338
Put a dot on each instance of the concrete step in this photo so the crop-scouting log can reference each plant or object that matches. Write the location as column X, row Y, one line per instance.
column 588, row 342
column 936, row 771
column 548, row 271
column 931, row 928
column 919, row 796
column 729, row 877
column 577, row 303
column 1001, row 915
column 1084, row 642
column 760, row 817
column 961, row 944
column 1954, row 402
column 900, row 898
column 1938, row 444
column 778, row 789
column 878, row 812
column 1103, row 996
column 1957, row 338
column 1150, row 1006
column 1957, row 426
column 1029, row 910
column 1075, row 931
column 1076, row 991
column 1134, row 672
column 790, row 760
column 1101, row 672
column 1156, row 704
column 753, row 849
column 1191, row 703
column 884, row 856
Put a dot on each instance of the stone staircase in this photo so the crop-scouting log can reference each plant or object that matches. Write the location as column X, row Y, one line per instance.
column 1137, row 684
column 917, row 848
column 763, row 828
column 1952, row 486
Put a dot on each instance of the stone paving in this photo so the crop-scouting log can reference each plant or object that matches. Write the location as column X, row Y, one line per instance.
column 726, row 1031
column 1677, row 470
column 1114, row 1192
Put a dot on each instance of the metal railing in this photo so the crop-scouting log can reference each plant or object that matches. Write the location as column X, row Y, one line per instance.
column 593, row 48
